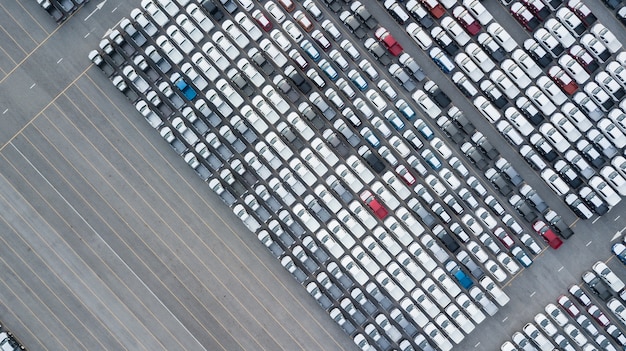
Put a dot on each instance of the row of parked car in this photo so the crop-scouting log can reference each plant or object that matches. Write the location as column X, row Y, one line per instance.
column 580, row 321
column 267, row 156
column 477, row 62
column 60, row 10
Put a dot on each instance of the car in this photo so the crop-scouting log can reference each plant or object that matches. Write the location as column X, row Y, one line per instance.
column 610, row 85
column 618, row 309
column 569, row 175
column 521, row 256
column 504, row 83
column 495, row 271
column 486, row 218
column 437, row 337
column 541, row 100
column 570, row 20
column 609, row 277
column 582, row 11
column 374, row 204
column 392, row 45
column 464, row 84
column 582, row 56
column 556, row 315
column 488, row 110
column 530, row 244
column 595, row 47
column 469, row 67
column 554, row 136
column 550, row 43
column 614, row 179
column 578, row 206
column 492, row 289
column 616, row 334
column 502, row 37
column 441, row 37
column 598, row 315
column 527, row 63
column 442, row 60
column 568, row 306
column 605, row 191
column 606, row 37
column 547, row 234
column 453, row 28
column 515, row 72
column 545, row 324
column 494, row 94
column 465, row 18
column 619, row 249
column 560, row 32
column 419, row 13
column 437, row 94
column 358, row 80
column 523, row 15
column 434, row 7
column 563, row 80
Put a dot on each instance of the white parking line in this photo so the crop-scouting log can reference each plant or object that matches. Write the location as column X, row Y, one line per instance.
column 478, row 343
column 86, row 35
column 5, row 111
column 505, row 318
column 32, row 86
column 115, row 9
column 589, row 243
column 61, row 59
column 533, row 293
column 560, row 269
column 595, row 220
column 616, row 218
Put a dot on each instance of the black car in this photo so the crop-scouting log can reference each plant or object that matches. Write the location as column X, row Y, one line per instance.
column 559, row 225
column 591, row 153
column 595, row 203
column 448, row 241
column 493, row 94
column 334, row 5
column 485, row 146
column 212, row 9
column 474, row 155
column 299, row 81
column 450, row 130
column 437, row 94
column 597, row 286
column 421, row 16
column 543, row 147
column 353, row 24
column 612, row 4
column 501, row 184
column 376, row 163
column 462, row 122
column 523, row 208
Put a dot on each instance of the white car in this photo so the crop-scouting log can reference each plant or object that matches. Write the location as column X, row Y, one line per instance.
column 449, row 328
column 552, row 90
column 494, row 269
column 469, row 67
column 545, row 324
column 554, row 137
column 226, row 45
column 560, row 32
column 596, row 47
column 574, row 69
column 555, row 182
column 275, row 11
column 606, row 37
column 200, row 18
column 566, row 127
column 540, row 100
column 505, row 84
column 527, row 63
column 611, row 279
column 612, row 132
column 610, row 85
column 549, row 42
column 494, row 290
column 421, row 37
column 249, row 27
column 605, row 191
column 470, row 308
column 514, row 71
column 508, row 263
column 437, row 337
column 455, row 30
column 487, row 109
column 426, row 103
column 501, row 36
column 614, row 179
column 235, row 34
column 518, row 121
column 187, row 25
column 478, row 11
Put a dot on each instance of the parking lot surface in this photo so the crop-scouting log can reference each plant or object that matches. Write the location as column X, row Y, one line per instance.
column 108, row 232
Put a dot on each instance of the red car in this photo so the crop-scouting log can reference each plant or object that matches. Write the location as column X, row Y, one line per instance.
column 504, row 237
column 523, row 15
column 583, row 57
column 563, row 80
column 388, row 41
column 568, row 305
column 466, row 20
column 538, row 8
column 547, row 234
column 405, row 175
column 595, row 312
column 434, row 7
column 262, row 20
column 379, row 210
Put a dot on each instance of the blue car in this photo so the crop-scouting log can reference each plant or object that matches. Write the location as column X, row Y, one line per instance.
column 329, row 70
column 310, row 50
column 358, row 80
column 431, row 159
column 464, row 280
column 394, row 120
column 371, row 138
column 442, row 60
column 423, row 129
column 405, row 109
column 619, row 250
column 186, row 89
